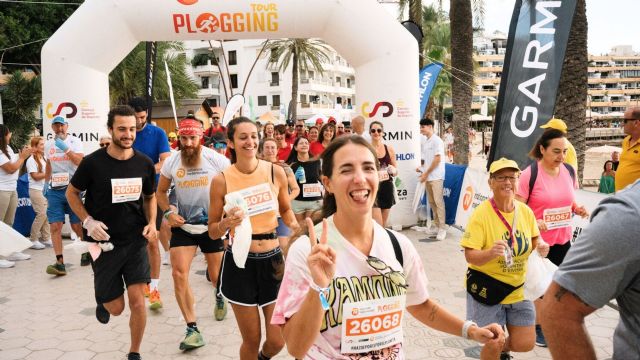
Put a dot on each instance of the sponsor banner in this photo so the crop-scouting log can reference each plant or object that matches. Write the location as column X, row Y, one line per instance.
column 533, row 63
column 454, row 175
column 24, row 213
column 590, row 201
column 474, row 190
column 428, row 77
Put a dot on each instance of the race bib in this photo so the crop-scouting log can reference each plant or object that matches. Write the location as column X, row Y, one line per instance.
column 372, row 325
column 557, row 218
column 383, row 175
column 311, row 190
column 123, row 190
column 259, row 198
column 59, row 179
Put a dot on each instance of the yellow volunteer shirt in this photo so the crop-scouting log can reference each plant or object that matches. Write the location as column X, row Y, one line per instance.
column 572, row 158
column 629, row 167
column 485, row 227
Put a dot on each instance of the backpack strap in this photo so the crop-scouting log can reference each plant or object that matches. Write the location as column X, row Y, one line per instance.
column 532, row 179
column 572, row 172
column 396, row 247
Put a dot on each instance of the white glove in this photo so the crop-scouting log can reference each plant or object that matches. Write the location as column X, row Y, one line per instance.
column 96, row 229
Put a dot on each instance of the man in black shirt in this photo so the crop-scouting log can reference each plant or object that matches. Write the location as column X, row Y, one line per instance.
column 119, row 214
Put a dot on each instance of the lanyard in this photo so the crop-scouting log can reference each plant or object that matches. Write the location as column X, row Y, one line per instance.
column 511, row 227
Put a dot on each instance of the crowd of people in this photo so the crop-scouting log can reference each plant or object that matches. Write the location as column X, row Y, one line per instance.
column 288, row 216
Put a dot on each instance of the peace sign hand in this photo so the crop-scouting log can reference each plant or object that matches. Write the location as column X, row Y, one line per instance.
column 322, row 258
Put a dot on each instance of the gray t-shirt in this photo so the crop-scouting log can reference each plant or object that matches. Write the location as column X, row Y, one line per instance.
column 604, row 263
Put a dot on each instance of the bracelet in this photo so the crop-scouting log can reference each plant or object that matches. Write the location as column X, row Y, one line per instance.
column 465, row 328
column 167, row 213
column 321, row 292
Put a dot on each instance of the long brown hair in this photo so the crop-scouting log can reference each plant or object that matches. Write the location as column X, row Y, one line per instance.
column 37, row 156
column 4, row 130
column 231, row 130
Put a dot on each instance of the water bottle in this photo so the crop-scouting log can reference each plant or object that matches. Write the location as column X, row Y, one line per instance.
column 300, row 175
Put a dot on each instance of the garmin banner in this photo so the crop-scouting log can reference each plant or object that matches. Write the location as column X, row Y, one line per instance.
column 533, row 64
column 151, row 54
column 428, row 77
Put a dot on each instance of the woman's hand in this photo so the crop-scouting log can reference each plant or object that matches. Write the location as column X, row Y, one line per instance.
column 542, row 226
column 322, row 258
column 489, row 333
column 543, row 248
column 234, row 218
column 498, row 248
column 25, row 152
column 580, row 211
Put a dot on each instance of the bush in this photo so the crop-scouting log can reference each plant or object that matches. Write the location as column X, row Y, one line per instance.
column 20, row 100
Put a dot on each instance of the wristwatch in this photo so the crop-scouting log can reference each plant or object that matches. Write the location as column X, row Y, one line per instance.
column 465, row 328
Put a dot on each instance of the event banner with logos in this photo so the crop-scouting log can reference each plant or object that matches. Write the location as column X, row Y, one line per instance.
column 428, row 78
column 532, row 67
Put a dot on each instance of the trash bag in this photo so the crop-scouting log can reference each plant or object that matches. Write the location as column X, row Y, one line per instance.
column 538, row 277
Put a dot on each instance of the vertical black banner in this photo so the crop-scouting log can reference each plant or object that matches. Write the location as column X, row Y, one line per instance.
column 531, row 73
column 150, row 69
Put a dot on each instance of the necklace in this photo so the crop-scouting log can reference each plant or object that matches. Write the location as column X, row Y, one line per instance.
column 249, row 172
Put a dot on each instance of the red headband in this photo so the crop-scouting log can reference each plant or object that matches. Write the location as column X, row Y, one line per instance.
column 190, row 127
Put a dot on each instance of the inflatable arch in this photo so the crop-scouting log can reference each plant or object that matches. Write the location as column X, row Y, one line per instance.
column 77, row 59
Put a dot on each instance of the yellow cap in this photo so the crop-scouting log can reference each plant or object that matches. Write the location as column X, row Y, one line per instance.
column 503, row 163
column 557, row 124
column 172, row 135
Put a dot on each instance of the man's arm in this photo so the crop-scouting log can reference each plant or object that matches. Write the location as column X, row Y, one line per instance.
column 150, row 209
column 47, row 171
column 433, row 166
column 162, row 157
column 75, row 203
column 74, row 157
column 562, row 318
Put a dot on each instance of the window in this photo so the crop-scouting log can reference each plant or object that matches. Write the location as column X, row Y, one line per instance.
column 275, row 79
column 262, row 101
column 311, row 74
column 348, row 83
column 234, row 81
column 233, row 59
column 205, row 82
column 338, row 81
column 303, row 98
column 276, row 100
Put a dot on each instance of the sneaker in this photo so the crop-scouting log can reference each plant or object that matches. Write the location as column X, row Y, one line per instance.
column 442, row 234
column 102, row 314
column 134, row 356
column 5, row 264
column 57, row 269
column 147, row 290
column 85, row 259
column 47, row 243
column 18, row 256
column 220, row 310
column 540, row 340
column 154, row 300
column 166, row 260
column 505, row 356
column 37, row 245
column 192, row 340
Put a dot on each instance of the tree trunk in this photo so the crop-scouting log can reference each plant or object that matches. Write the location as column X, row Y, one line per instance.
column 293, row 104
column 415, row 15
column 572, row 92
column 462, row 70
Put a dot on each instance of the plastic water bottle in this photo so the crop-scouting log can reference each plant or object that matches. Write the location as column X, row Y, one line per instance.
column 300, row 175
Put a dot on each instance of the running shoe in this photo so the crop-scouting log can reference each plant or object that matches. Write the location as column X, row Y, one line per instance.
column 154, row 300
column 220, row 310
column 85, row 259
column 5, row 264
column 37, row 245
column 102, row 314
column 505, row 356
column 18, row 256
column 57, row 269
column 48, row 243
column 134, row 356
column 192, row 340
column 540, row 340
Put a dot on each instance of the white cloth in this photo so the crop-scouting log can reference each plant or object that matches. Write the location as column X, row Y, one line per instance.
column 8, row 182
column 32, row 167
column 429, row 148
column 60, row 162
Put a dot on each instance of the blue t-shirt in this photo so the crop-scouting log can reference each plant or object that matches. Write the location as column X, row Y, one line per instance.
column 152, row 141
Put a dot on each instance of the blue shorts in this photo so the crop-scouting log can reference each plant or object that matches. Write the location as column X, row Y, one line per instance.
column 282, row 229
column 58, row 206
column 521, row 313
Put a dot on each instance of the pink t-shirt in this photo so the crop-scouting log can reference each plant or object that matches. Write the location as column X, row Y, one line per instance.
column 354, row 281
column 549, row 193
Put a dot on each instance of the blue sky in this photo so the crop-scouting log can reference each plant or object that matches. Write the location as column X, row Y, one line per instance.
column 611, row 22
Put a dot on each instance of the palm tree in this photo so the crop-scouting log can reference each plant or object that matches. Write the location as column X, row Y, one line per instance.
column 302, row 54
column 128, row 79
column 437, row 42
column 20, row 99
column 572, row 91
column 462, row 73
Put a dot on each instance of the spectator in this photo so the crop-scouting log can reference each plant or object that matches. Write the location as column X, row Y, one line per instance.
column 432, row 153
column 173, row 140
column 290, row 133
column 628, row 170
column 339, row 129
column 10, row 164
column 602, row 265
column 386, row 155
column 36, row 166
column 313, row 134
column 607, row 180
column 105, row 141
column 284, row 148
column 268, row 130
column 216, row 126
column 327, row 134
column 615, row 158
column 347, row 127
column 357, row 124
column 301, row 129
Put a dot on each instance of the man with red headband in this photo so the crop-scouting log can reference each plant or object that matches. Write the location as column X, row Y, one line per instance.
column 191, row 170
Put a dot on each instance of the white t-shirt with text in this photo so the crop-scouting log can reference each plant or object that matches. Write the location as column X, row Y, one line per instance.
column 61, row 165
column 8, row 182
column 32, row 167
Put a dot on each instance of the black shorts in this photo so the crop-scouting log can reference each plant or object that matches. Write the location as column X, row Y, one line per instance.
column 124, row 265
column 180, row 237
column 385, row 198
column 558, row 252
column 255, row 285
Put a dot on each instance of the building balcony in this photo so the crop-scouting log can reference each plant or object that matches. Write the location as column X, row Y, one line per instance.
column 613, row 80
column 595, row 104
column 212, row 90
column 208, row 69
column 601, row 92
column 492, row 69
column 274, row 83
column 613, row 68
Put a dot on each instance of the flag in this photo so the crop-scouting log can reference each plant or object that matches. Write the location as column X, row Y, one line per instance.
column 173, row 102
column 151, row 56
column 428, row 77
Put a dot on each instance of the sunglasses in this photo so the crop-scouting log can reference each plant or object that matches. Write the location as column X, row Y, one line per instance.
column 215, row 118
column 395, row 277
column 104, row 145
column 373, row 131
column 627, row 120
column 299, row 126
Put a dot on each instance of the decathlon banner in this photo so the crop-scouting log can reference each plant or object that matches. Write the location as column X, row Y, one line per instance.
column 428, row 77
column 533, row 63
column 453, row 178
column 474, row 190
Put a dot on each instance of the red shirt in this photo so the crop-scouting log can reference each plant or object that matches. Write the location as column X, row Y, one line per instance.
column 283, row 153
column 210, row 131
column 316, row 148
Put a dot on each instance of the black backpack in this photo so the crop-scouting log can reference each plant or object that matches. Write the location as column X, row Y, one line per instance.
column 534, row 175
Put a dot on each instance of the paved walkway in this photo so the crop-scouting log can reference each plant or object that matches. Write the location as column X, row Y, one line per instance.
column 43, row 317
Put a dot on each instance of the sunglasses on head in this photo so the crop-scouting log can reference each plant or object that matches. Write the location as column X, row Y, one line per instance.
column 395, row 277
column 373, row 131
column 104, row 144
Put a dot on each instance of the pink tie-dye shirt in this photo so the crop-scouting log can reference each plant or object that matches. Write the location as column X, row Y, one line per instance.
column 354, row 281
